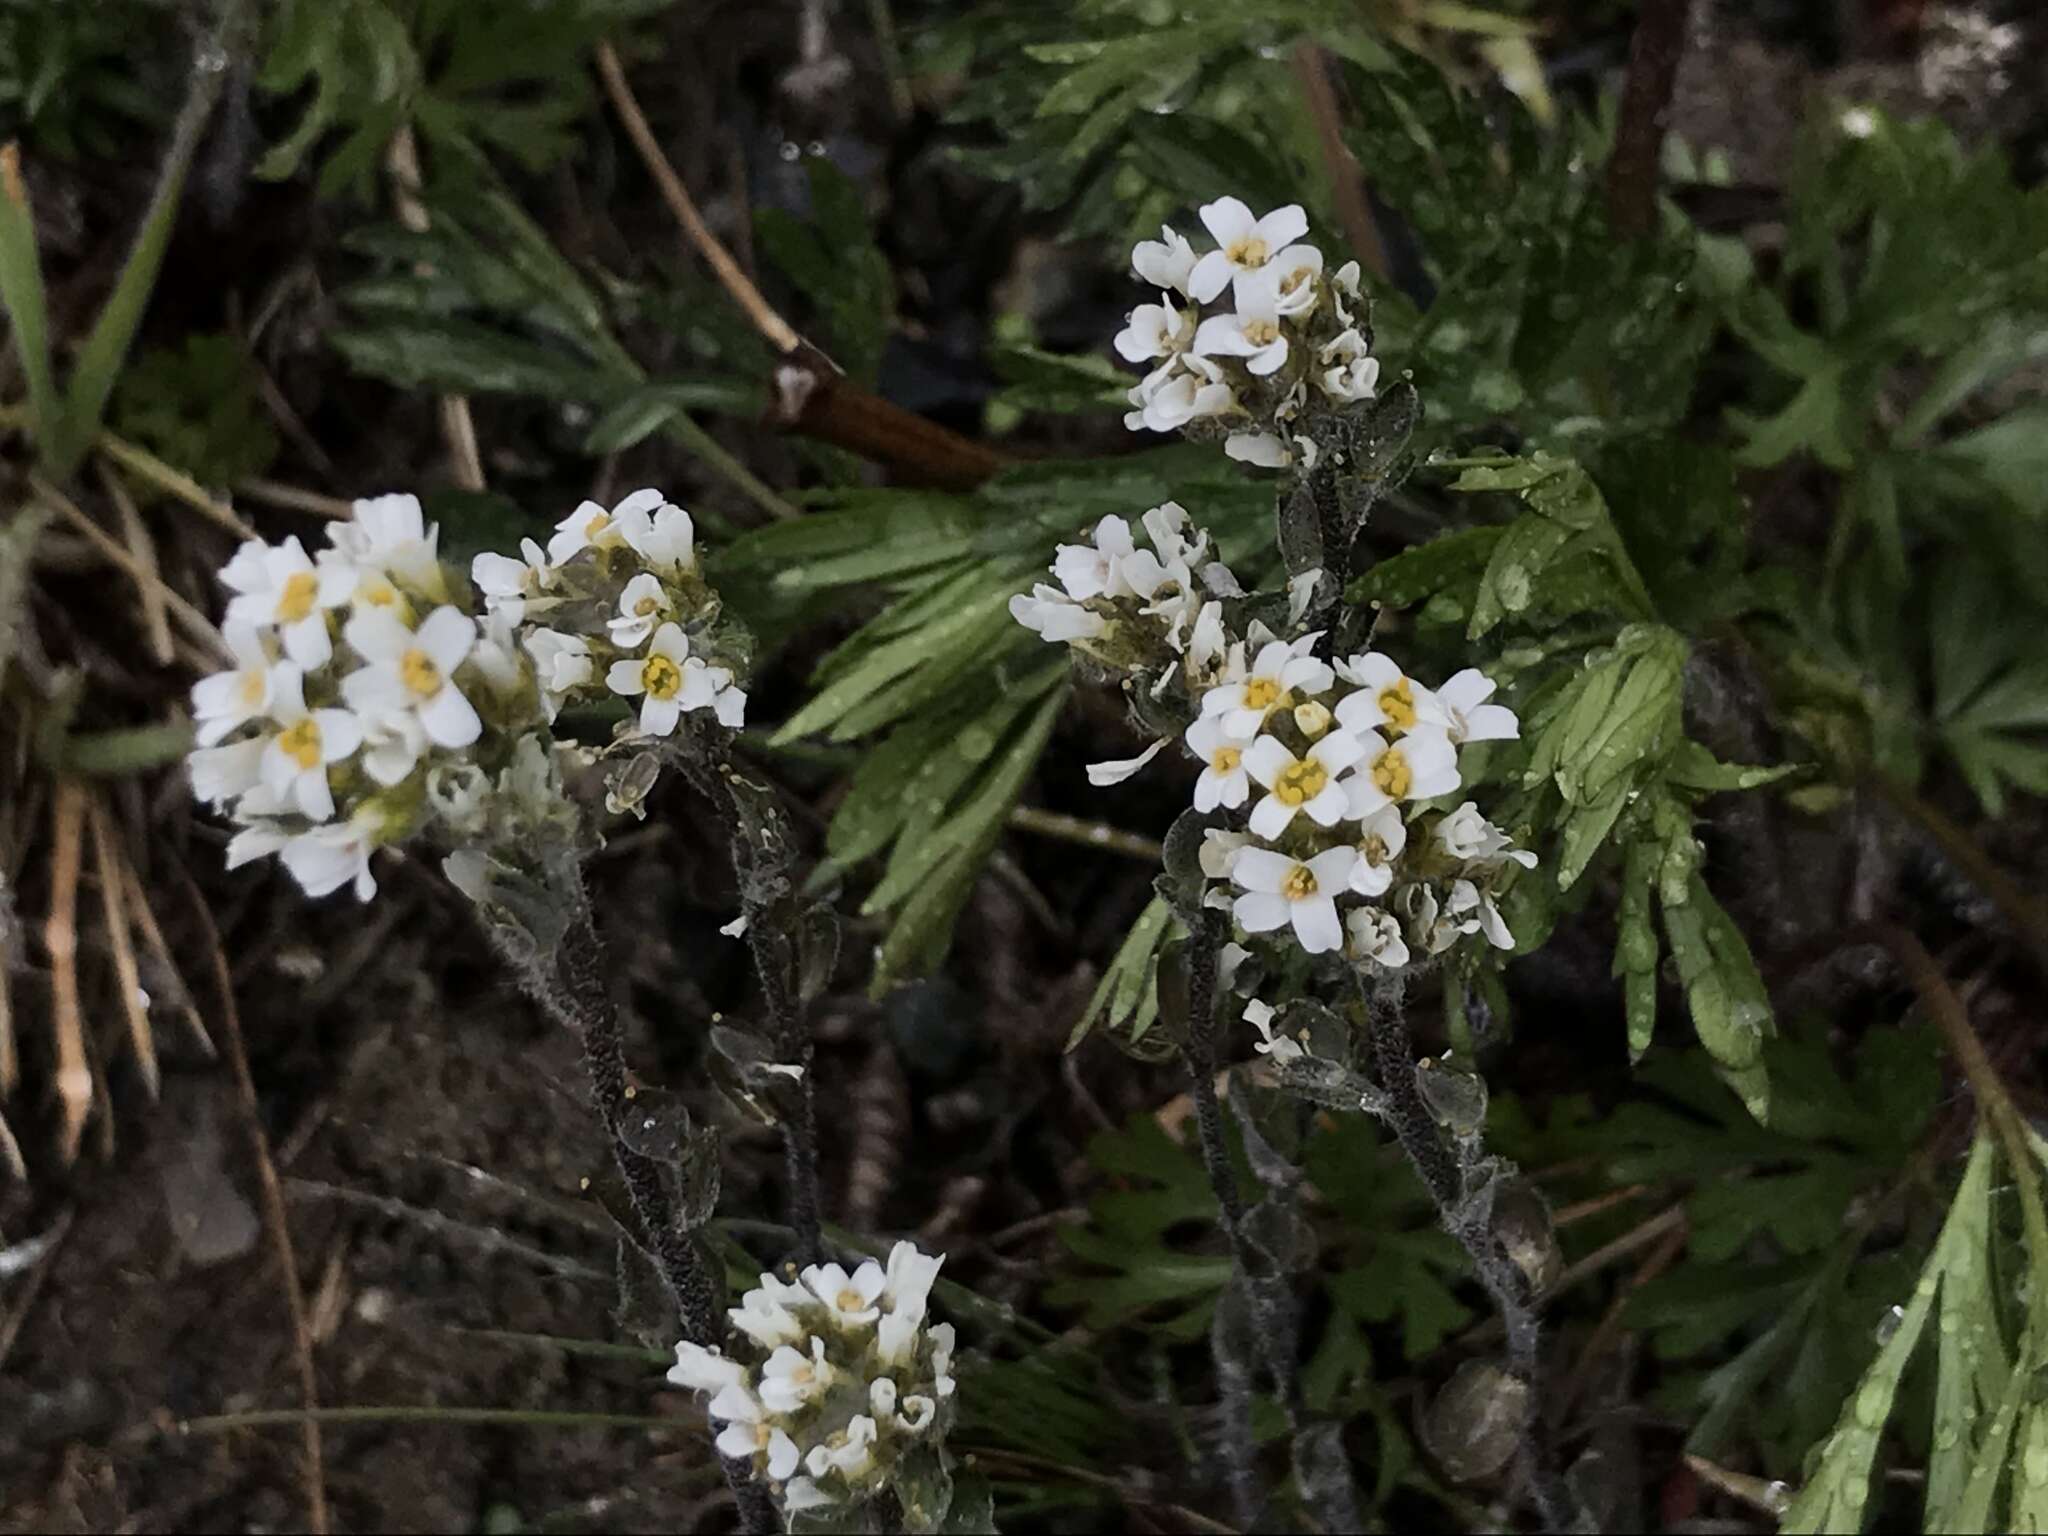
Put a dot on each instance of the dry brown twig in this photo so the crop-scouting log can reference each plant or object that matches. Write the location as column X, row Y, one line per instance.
column 156, row 621
column 60, row 938
column 1653, row 57
column 810, row 395
column 107, row 864
column 274, row 1222
column 1347, row 177
column 196, row 623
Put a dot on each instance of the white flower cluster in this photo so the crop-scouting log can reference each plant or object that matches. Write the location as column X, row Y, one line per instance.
column 368, row 698
column 1335, row 766
column 1135, row 607
column 848, row 1376
column 1293, row 337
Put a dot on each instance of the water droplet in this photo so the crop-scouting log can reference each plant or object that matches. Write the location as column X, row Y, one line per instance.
column 1874, row 1404
column 1889, row 1325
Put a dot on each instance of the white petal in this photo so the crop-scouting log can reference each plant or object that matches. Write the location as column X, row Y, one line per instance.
column 1102, row 775
column 1316, row 925
column 450, row 719
column 1261, row 911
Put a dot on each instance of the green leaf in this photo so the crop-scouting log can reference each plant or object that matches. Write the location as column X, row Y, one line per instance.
column 1448, row 561
column 464, row 357
column 21, row 293
column 1836, row 1491
column 1126, row 991
column 645, row 410
column 1731, row 1010
column 835, row 261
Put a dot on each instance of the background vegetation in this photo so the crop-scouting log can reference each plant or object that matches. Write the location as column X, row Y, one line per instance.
column 1731, row 466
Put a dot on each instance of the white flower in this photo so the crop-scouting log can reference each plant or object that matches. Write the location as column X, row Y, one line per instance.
column 511, row 586
column 327, row 858
column 414, row 670
column 1345, row 281
column 1301, row 591
column 849, row 1298
column 1376, row 936
column 1350, row 372
column 1165, row 262
column 1467, row 835
column 1264, row 449
column 561, row 664
column 277, row 584
column 390, row 535
column 590, row 527
column 1469, row 716
column 1280, row 890
column 295, row 759
column 1178, row 393
column 1420, row 766
column 1102, row 775
column 1380, row 841
column 1292, row 273
column 1300, row 783
column 1220, row 850
column 1224, row 781
column 1096, row 569
column 1281, row 672
column 1387, row 700
column 643, row 605
column 1253, row 332
column 1053, row 615
column 1166, row 525
column 747, row 1433
column 1246, row 243
column 1155, row 330
column 657, row 530
column 1260, row 1016
column 221, row 774
column 496, row 654
column 393, row 743
column 1206, row 640
column 918, row 1413
column 849, row 1452
column 701, row 1369
column 670, row 678
column 909, row 1279
column 729, row 704
column 226, row 701
column 1485, row 917
column 800, row 1494
column 790, row 1379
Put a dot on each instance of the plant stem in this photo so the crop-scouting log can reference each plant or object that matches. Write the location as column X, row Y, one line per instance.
column 1645, row 99
column 1468, row 1221
column 1347, row 178
column 582, row 1000
column 2027, row 913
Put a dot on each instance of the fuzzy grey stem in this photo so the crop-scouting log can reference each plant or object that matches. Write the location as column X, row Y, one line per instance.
column 1470, row 1222
column 583, row 1001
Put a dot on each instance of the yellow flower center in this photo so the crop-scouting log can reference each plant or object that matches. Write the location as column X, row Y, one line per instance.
column 1391, row 773
column 596, row 526
column 1293, row 280
column 850, row 1300
column 1299, row 885
column 647, row 605
column 1262, row 333
column 802, row 1374
column 251, row 691
column 1251, row 251
column 1300, row 782
column 421, row 677
column 301, row 742
column 762, row 1432
column 295, row 598
column 662, row 678
column 377, row 592
column 1373, row 848
column 1397, row 703
column 1225, row 759
column 1311, row 719
column 1261, row 693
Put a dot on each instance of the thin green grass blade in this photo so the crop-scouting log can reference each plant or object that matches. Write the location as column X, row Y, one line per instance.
column 21, row 294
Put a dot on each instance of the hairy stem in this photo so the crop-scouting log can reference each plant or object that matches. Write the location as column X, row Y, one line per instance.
column 1469, row 1220
column 582, row 1000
